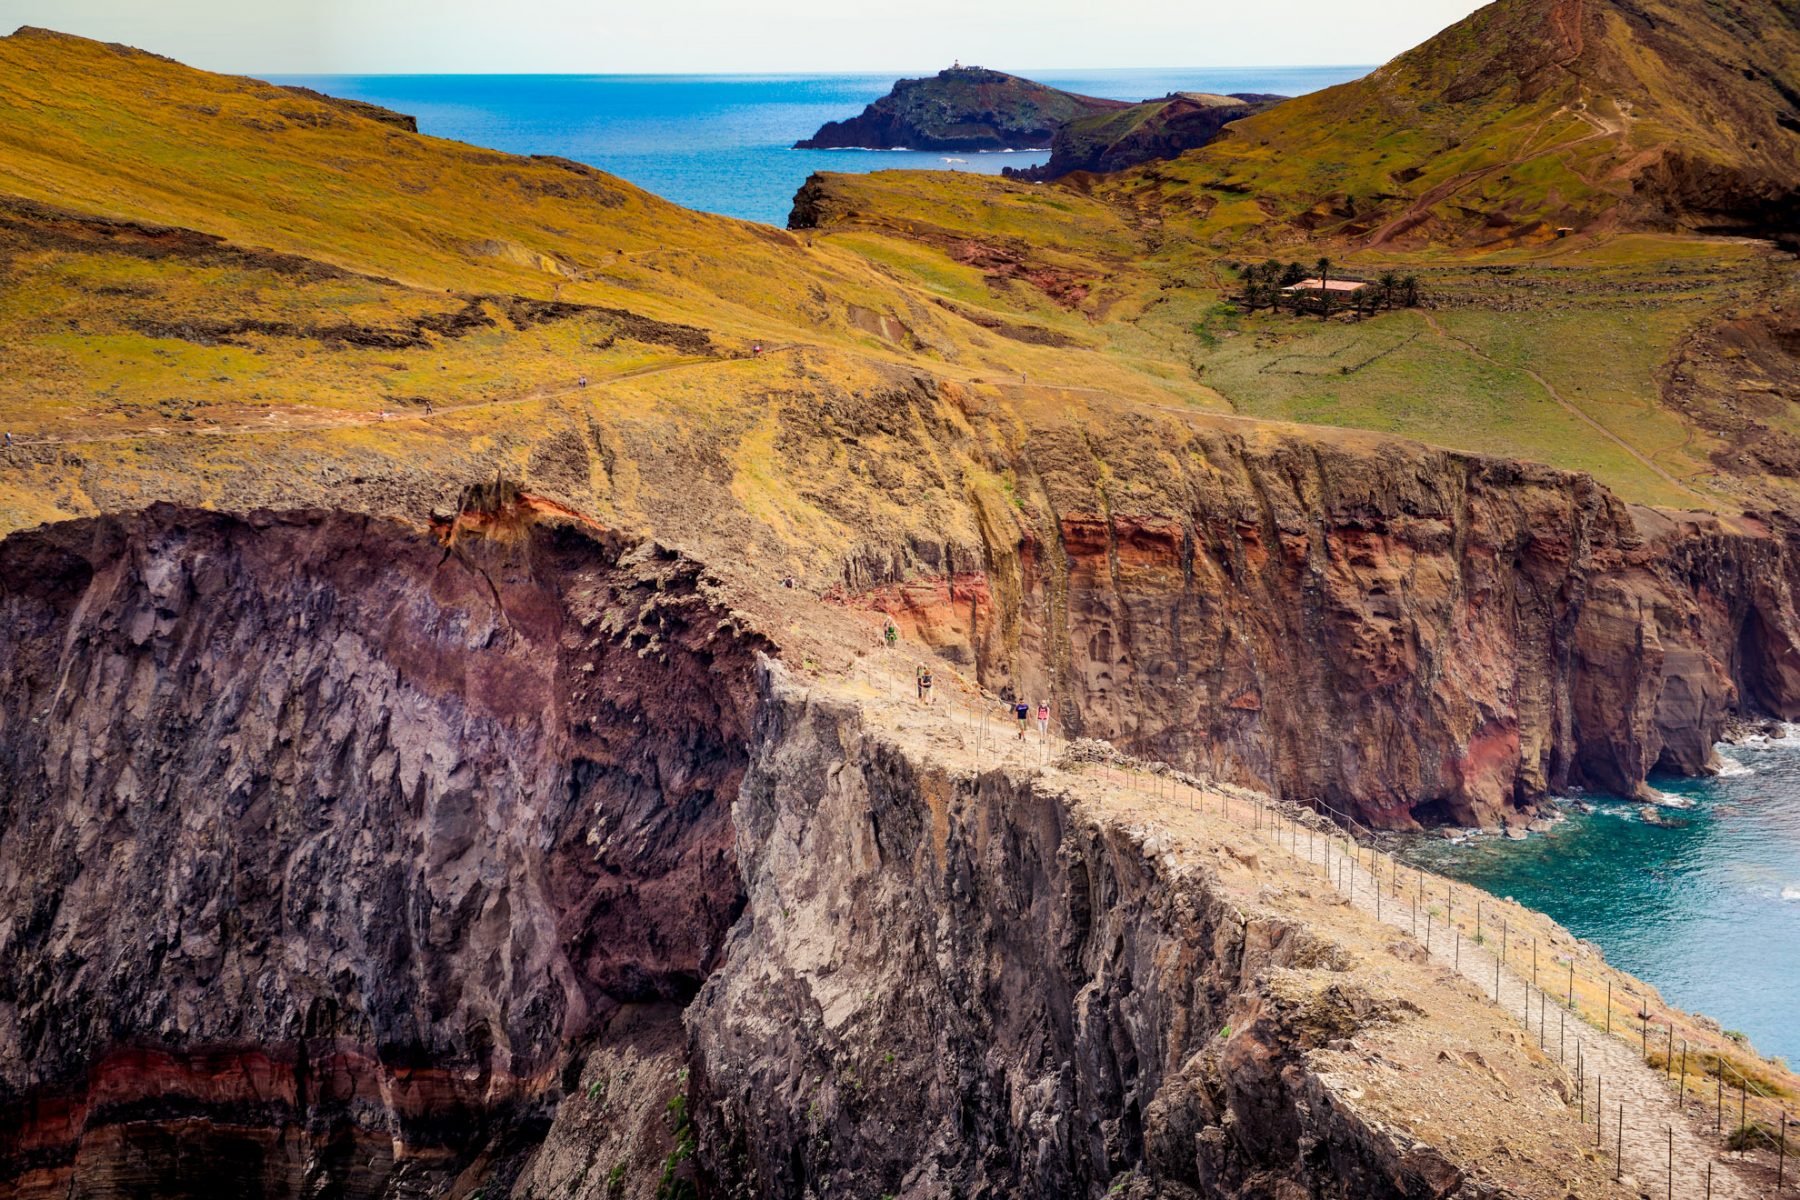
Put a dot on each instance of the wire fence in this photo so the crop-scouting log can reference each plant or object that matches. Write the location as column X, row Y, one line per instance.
column 1560, row 1004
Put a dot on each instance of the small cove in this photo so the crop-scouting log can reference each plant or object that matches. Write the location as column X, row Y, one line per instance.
column 1703, row 902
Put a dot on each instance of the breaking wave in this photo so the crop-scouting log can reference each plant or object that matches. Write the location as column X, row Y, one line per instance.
column 1731, row 768
column 1664, row 799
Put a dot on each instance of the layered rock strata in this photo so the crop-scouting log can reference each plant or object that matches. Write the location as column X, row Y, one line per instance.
column 1407, row 635
column 327, row 844
column 347, row 858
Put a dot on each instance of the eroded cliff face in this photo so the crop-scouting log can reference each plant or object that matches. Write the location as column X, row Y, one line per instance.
column 340, row 857
column 328, row 844
column 949, row 983
column 1407, row 634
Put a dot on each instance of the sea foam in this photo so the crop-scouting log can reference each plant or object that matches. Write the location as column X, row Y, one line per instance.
column 1731, row 768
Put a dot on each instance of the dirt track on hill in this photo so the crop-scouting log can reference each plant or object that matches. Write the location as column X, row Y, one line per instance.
column 276, row 423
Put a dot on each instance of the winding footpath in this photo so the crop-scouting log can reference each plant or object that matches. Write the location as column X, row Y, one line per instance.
column 1656, row 1146
column 1635, row 1115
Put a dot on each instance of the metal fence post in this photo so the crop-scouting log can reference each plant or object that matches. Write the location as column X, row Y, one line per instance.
column 1781, row 1161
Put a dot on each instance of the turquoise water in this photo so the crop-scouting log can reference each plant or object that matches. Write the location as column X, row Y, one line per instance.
column 721, row 143
column 1707, row 909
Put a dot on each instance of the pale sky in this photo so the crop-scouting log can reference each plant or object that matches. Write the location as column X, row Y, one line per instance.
column 715, row 36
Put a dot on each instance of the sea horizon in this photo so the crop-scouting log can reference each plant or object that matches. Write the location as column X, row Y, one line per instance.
column 723, row 142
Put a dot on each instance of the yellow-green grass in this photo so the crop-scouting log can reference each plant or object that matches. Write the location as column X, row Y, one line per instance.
column 1597, row 323
column 1393, row 374
column 1602, row 362
column 1111, row 297
column 91, row 129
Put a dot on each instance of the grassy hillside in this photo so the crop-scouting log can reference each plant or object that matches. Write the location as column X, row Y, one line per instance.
column 1528, row 116
column 218, row 290
column 1541, row 168
column 1154, row 129
column 181, row 240
column 224, row 291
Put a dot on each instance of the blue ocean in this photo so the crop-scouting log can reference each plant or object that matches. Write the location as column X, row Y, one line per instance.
column 1702, row 899
column 720, row 143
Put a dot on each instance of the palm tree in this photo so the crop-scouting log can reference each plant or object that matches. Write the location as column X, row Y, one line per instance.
column 1268, row 273
column 1390, row 282
column 1409, row 291
column 1324, row 267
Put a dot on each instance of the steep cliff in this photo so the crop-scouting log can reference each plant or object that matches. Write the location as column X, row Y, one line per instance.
column 342, row 858
column 957, row 982
column 1406, row 633
column 326, row 845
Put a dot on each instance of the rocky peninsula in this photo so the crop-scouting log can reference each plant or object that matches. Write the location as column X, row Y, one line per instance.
column 961, row 109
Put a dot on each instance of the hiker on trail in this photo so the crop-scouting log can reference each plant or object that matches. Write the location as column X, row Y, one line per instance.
column 922, row 676
column 582, row 382
column 891, row 634
column 9, row 439
column 756, row 350
column 1043, row 719
column 787, row 581
column 1022, row 711
column 428, row 408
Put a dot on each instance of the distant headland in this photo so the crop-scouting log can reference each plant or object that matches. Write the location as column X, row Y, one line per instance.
column 976, row 109
column 961, row 109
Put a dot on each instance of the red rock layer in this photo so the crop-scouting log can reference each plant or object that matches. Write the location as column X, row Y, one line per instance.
column 269, row 1120
column 1409, row 634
